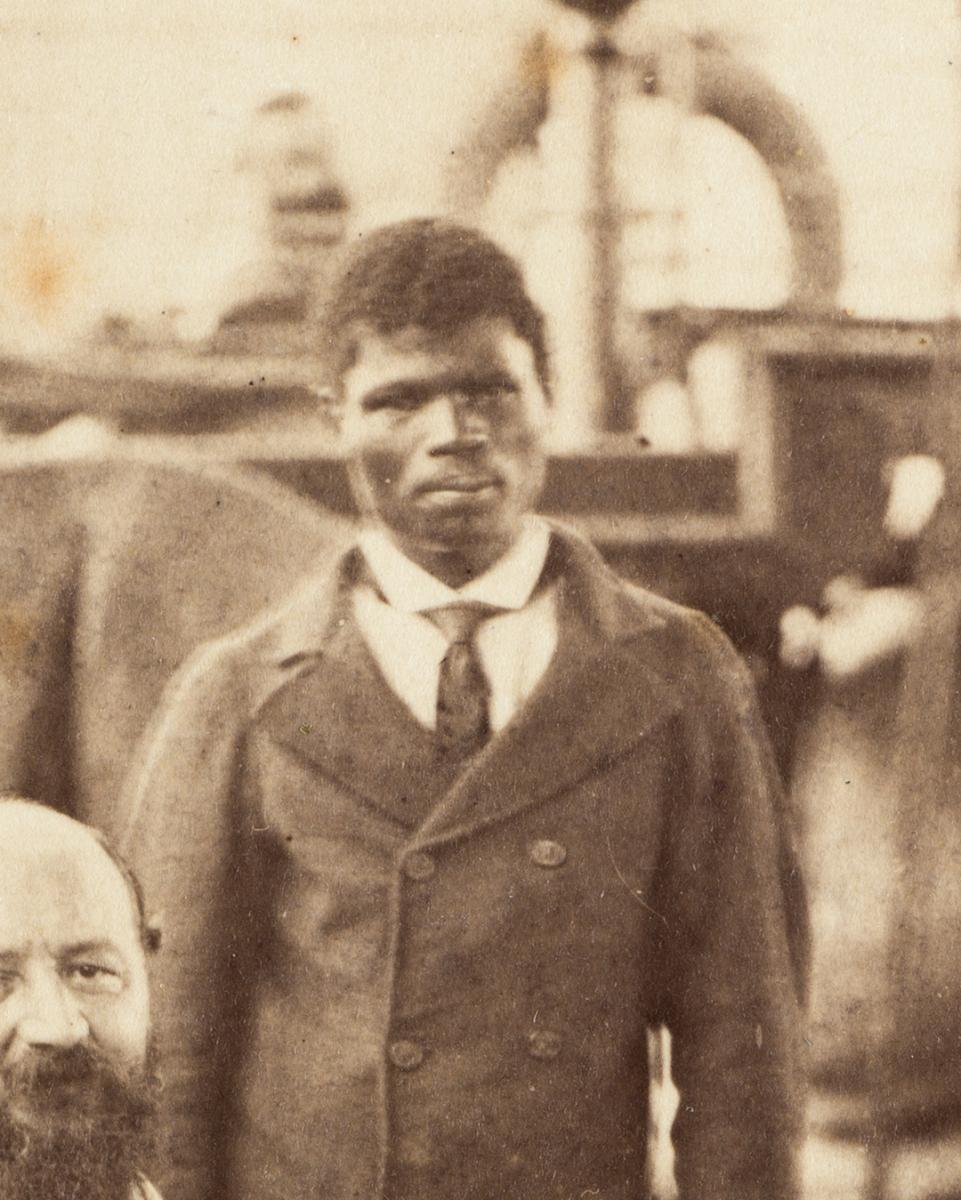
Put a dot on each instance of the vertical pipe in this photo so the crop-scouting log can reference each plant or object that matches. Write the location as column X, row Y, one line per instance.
column 604, row 228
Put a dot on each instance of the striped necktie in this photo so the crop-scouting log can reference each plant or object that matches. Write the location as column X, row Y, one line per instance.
column 463, row 690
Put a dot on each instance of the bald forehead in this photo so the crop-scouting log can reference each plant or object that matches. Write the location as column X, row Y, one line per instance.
column 57, row 882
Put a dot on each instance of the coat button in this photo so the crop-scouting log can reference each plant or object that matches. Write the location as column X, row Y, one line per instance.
column 406, row 1056
column 548, row 854
column 542, row 1043
column 418, row 865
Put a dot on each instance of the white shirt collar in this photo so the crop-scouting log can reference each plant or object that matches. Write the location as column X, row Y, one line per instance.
column 509, row 583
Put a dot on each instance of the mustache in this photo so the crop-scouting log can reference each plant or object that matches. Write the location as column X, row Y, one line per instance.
column 78, row 1084
column 44, row 1071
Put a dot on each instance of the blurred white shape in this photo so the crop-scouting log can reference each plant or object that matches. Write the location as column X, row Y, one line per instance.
column 562, row 279
column 834, row 1170
column 738, row 250
column 561, row 252
column 916, row 487
column 843, row 592
column 664, row 1101
column 665, row 418
column 76, row 437
column 703, row 218
column 925, row 1169
column 716, row 381
column 650, row 255
column 512, row 209
column 647, row 133
column 800, row 632
column 868, row 628
column 565, row 139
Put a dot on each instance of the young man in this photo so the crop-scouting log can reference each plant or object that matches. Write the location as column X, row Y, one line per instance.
column 76, row 1094
column 438, row 841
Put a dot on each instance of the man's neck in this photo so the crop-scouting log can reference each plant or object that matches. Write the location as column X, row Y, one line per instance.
column 455, row 567
column 506, row 581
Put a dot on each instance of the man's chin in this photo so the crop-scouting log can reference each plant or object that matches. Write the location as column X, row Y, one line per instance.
column 68, row 1106
column 462, row 528
column 74, row 1159
column 66, row 1146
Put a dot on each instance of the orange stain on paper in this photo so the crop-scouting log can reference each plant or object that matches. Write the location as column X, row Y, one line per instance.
column 541, row 63
column 40, row 269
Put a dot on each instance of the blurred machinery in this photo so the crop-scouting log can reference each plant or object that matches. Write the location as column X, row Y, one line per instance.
column 603, row 113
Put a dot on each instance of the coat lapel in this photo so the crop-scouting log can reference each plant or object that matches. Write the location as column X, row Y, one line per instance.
column 605, row 690
column 335, row 710
column 603, row 693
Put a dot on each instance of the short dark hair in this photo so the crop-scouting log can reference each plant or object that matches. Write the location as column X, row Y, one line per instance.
column 432, row 273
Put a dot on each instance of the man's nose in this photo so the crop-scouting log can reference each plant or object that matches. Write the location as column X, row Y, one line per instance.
column 49, row 1014
column 457, row 427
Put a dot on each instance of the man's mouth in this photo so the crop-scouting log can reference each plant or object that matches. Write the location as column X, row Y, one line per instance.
column 459, row 486
column 59, row 1098
column 74, row 1081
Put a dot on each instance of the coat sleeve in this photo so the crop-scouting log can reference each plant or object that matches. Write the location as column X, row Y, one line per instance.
column 183, row 840
column 735, row 950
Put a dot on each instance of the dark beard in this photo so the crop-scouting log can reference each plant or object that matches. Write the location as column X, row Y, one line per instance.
column 88, row 1135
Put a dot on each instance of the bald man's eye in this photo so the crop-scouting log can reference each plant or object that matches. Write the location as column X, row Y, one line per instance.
column 94, row 979
column 8, row 981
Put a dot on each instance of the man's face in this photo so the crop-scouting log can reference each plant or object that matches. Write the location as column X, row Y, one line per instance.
column 74, row 1020
column 445, row 433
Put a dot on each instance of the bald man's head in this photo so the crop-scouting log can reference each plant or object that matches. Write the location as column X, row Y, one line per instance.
column 22, row 820
column 74, row 1010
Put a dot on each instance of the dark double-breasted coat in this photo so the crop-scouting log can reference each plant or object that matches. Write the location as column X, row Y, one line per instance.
column 385, row 978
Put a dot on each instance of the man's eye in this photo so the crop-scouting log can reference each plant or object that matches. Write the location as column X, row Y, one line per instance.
column 94, row 978
column 8, row 979
column 392, row 402
column 494, row 394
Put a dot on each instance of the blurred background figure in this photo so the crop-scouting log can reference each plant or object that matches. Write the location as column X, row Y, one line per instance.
column 289, row 166
column 881, row 852
column 868, row 620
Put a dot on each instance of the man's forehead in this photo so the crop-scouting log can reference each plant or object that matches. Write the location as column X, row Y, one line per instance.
column 61, row 890
column 479, row 345
column 480, row 337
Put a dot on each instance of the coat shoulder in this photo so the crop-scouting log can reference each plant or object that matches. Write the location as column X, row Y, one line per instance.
column 686, row 647
column 242, row 667
column 683, row 639
column 687, row 632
